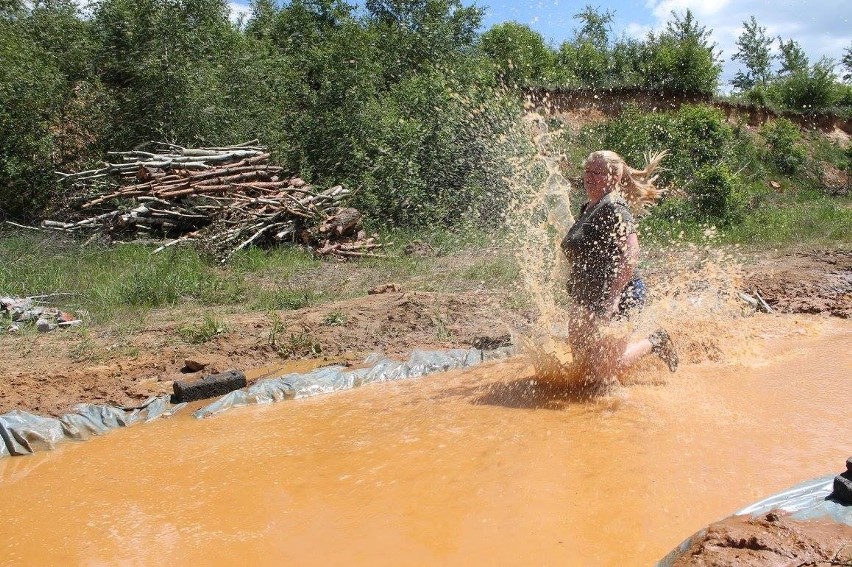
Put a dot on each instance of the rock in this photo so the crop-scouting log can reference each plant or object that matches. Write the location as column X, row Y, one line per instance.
column 843, row 488
column 65, row 317
column 209, row 386
column 385, row 288
column 492, row 343
column 44, row 326
column 28, row 314
column 191, row 365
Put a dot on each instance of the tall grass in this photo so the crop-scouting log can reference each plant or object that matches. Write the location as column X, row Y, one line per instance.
column 106, row 281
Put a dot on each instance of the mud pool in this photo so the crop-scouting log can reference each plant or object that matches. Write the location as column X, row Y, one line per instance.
column 476, row 467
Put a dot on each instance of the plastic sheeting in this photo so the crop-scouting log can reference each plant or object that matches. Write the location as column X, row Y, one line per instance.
column 333, row 378
column 806, row 501
column 24, row 433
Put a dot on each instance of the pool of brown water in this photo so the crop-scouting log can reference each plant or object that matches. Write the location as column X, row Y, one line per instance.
column 478, row 467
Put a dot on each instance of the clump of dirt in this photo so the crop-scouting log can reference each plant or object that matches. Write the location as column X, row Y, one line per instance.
column 770, row 540
column 812, row 281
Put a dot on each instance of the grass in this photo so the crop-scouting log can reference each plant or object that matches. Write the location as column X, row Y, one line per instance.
column 203, row 332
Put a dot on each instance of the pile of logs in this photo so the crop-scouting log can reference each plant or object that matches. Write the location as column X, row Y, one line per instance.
column 224, row 199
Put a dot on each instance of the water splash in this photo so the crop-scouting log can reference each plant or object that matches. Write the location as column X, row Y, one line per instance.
column 693, row 288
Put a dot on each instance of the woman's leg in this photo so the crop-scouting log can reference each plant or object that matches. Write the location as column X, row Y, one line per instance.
column 633, row 352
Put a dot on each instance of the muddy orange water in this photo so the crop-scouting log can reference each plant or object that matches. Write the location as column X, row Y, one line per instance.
column 477, row 467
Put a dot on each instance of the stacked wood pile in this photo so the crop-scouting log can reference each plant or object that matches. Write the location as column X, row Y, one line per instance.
column 222, row 198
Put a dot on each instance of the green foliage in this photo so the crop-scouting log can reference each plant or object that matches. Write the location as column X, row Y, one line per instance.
column 519, row 53
column 792, row 56
column 783, row 149
column 334, row 318
column 753, row 51
column 717, row 194
column 30, row 88
column 293, row 345
column 807, row 90
column 203, row 332
column 815, row 221
column 166, row 62
column 846, row 61
column 283, row 299
column 700, row 163
column 681, row 58
column 695, row 136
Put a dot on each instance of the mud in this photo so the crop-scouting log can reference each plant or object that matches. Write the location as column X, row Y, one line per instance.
column 48, row 374
column 812, row 281
column 769, row 541
column 482, row 466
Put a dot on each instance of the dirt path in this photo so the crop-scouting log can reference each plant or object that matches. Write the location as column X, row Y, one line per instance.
column 50, row 373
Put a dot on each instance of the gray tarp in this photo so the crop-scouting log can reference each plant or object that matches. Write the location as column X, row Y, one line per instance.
column 23, row 433
column 806, row 501
column 333, row 378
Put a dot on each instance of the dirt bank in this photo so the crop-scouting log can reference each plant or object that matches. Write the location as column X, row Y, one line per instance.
column 770, row 540
column 49, row 373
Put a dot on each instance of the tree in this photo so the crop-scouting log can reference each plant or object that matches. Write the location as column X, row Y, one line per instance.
column 30, row 87
column 595, row 27
column 754, row 53
column 164, row 62
column 792, row 56
column 846, row 61
column 682, row 58
column 588, row 57
column 521, row 56
column 414, row 33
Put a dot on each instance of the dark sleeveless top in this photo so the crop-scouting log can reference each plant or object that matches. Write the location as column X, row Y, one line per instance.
column 594, row 245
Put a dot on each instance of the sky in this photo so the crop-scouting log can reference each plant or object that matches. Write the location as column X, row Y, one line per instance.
column 821, row 27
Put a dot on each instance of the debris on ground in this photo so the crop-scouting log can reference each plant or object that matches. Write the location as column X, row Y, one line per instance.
column 222, row 198
column 27, row 310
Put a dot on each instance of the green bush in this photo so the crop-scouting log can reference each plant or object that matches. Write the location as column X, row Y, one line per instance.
column 717, row 193
column 783, row 149
column 694, row 135
column 807, row 90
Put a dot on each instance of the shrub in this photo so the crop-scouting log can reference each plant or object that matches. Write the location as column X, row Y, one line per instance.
column 717, row 194
column 807, row 90
column 783, row 150
column 694, row 135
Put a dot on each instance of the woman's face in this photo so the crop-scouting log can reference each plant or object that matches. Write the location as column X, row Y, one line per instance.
column 596, row 178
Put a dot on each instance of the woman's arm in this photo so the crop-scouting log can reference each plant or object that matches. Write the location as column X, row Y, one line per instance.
column 625, row 266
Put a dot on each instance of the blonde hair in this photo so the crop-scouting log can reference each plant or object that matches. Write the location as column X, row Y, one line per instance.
column 637, row 185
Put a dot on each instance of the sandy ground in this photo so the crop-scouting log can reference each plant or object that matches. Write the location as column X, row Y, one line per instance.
column 50, row 373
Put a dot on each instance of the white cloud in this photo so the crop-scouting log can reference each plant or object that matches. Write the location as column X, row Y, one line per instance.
column 821, row 27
